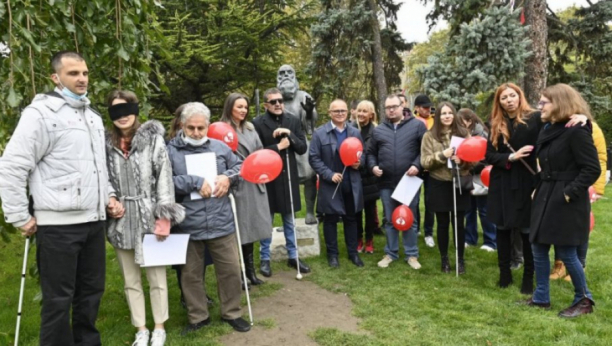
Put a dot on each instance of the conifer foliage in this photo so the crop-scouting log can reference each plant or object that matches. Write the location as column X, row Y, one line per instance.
column 487, row 51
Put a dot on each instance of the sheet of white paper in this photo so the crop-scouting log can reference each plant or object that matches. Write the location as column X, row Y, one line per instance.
column 171, row 251
column 407, row 189
column 454, row 143
column 203, row 165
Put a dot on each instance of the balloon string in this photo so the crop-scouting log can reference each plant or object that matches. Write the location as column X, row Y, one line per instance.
column 337, row 186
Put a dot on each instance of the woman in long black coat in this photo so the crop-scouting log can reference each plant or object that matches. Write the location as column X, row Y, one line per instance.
column 561, row 205
column 514, row 127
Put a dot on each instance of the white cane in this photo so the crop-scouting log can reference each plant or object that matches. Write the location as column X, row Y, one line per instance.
column 456, row 181
column 23, row 276
column 297, row 254
column 244, row 278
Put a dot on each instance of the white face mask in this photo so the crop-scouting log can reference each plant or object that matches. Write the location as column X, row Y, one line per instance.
column 69, row 93
column 195, row 142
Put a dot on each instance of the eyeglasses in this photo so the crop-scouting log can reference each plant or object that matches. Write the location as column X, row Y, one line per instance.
column 543, row 103
column 339, row 111
column 392, row 108
column 275, row 101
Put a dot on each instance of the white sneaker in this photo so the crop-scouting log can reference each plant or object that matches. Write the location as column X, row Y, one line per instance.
column 385, row 261
column 467, row 245
column 158, row 338
column 487, row 248
column 142, row 338
column 414, row 263
column 429, row 241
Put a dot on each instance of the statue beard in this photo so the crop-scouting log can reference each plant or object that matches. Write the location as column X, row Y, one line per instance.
column 288, row 88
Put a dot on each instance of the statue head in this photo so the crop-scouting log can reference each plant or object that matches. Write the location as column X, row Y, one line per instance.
column 287, row 82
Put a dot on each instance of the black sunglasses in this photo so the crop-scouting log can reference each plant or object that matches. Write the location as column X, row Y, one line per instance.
column 275, row 101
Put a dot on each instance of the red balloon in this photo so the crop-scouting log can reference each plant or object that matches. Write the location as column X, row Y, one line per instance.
column 262, row 166
column 225, row 133
column 472, row 149
column 402, row 218
column 592, row 223
column 485, row 175
column 592, row 194
column 350, row 151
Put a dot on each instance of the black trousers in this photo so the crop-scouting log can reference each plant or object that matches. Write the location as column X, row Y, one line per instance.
column 72, row 266
column 446, row 222
column 369, row 209
column 504, row 257
column 330, row 226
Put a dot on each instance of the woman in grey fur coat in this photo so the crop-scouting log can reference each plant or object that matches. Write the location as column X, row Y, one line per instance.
column 252, row 206
column 140, row 172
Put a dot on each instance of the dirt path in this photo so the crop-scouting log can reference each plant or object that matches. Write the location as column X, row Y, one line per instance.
column 298, row 308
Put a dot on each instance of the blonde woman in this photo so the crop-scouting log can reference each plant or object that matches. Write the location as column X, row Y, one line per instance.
column 366, row 122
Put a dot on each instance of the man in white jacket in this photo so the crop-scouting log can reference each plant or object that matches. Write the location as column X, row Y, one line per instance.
column 58, row 152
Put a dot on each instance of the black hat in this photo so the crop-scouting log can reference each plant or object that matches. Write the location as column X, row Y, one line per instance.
column 422, row 101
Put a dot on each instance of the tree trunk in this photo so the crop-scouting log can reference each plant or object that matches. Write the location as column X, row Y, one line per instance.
column 537, row 64
column 379, row 72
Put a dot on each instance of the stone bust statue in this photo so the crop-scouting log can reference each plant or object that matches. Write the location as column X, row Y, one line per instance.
column 300, row 104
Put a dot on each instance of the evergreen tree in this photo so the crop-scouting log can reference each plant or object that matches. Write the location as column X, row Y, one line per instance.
column 222, row 46
column 580, row 53
column 343, row 49
column 486, row 52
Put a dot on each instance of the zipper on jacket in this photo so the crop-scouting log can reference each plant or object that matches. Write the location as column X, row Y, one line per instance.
column 78, row 197
column 93, row 152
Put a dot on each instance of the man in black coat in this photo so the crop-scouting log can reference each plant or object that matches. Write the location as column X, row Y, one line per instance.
column 395, row 151
column 281, row 132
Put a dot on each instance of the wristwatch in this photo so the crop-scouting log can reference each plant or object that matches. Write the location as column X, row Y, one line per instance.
column 567, row 198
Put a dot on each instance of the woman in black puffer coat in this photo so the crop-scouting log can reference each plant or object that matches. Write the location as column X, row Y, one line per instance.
column 366, row 122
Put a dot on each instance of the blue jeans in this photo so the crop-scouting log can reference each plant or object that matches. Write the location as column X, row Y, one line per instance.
column 568, row 255
column 288, row 226
column 479, row 204
column 582, row 253
column 409, row 238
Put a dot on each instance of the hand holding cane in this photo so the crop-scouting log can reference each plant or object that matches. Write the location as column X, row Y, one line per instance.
column 521, row 159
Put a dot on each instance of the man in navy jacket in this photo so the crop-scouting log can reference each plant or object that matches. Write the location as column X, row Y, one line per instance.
column 324, row 157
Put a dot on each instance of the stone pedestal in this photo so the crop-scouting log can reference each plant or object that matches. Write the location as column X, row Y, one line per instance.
column 307, row 240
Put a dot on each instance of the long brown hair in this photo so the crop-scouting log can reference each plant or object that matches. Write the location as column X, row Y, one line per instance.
column 128, row 97
column 468, row 114
column 228, row 107
column 457, row 128
column 498, row 123
column 566, row 101
column 175, row 124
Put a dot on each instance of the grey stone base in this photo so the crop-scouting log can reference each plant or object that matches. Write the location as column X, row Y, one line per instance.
column 307, row 239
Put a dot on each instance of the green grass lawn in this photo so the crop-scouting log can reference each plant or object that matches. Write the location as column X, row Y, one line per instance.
column 397, row 305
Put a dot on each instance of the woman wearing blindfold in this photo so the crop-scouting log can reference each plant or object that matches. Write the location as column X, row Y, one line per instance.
column 140, row 172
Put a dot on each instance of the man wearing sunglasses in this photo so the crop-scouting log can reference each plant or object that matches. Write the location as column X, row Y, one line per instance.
column 282, row 132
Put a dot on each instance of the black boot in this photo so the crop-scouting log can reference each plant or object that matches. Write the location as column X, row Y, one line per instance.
column 461, row 269
column 445, row 264
column 249, row 264
column 242, row 283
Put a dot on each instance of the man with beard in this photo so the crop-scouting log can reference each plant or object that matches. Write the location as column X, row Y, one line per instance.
column 300, row 104
column 282, row 133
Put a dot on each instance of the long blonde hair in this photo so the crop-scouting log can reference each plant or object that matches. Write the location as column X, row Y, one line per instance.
column 498, row 124
column 566, row 101
column 369, row 107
